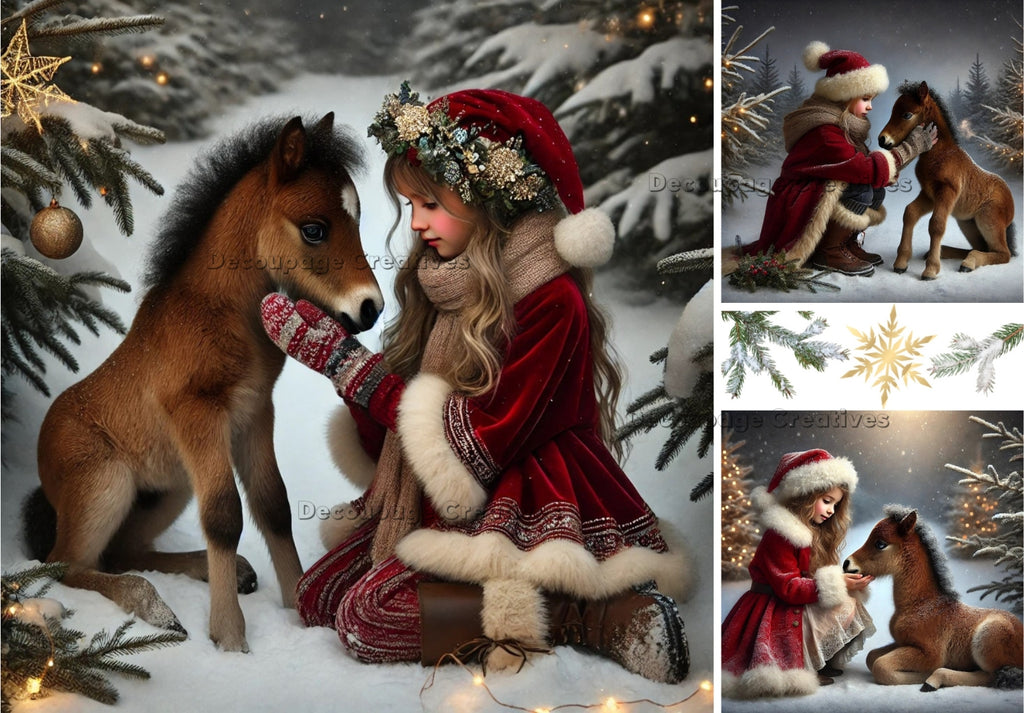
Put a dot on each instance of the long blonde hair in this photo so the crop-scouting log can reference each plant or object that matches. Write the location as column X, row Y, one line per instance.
column 489, row 323
column 828, row 537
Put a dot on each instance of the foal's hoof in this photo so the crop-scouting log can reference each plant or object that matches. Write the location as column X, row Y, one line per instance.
column 246, row 576
column 927, row 278
column 899, row 270
column 927, row 688
column 964, row 268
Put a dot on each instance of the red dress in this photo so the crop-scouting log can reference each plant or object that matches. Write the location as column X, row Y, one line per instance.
column 560, row 514
column 762, row 637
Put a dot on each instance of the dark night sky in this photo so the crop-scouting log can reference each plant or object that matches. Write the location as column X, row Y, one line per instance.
column 934, row 41
column 899, row 455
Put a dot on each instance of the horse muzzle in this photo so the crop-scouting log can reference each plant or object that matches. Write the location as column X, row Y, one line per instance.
column 850, row 567
column 885, row 142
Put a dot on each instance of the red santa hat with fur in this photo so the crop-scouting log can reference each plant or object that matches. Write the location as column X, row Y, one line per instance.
column 847, row 74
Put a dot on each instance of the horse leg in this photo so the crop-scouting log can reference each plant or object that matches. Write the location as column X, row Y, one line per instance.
column 90, row 510
column 944, row 677
column 131, row 546
column 267, row 496
column 943, row 204
column 202, row 433
column 874, row 654
column 917, row 208
column 990, row 248
column 902, row 665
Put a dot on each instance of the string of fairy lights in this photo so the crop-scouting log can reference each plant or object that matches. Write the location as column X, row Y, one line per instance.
column 740, row 533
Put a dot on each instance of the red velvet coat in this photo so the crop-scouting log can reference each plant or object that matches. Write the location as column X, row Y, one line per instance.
column 762, row 637
column 559, row 513
column 805, row 197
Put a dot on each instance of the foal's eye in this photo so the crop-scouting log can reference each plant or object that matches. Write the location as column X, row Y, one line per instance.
column 314, row 233
column 909, row 115
column 881, row 544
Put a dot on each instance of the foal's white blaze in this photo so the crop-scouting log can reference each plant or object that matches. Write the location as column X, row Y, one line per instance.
column 350, row 200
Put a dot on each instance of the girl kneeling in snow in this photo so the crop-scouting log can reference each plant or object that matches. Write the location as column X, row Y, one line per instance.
column 831, row 186
column 495, row 519
column 802, row 618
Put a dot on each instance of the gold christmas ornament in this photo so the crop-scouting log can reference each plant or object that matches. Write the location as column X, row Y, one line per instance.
column 56, row 232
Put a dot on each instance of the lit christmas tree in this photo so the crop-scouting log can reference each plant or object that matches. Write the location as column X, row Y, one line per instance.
column 740, row 533
column 1004, row 546
column 51, row 141
column 1005, row 140
column 970, row 511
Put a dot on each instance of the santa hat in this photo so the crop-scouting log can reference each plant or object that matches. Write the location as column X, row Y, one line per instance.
column 848, row 75
column 814, row 471
column 586, row 237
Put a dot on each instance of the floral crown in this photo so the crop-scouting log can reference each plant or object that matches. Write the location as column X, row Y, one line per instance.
column 481, row 171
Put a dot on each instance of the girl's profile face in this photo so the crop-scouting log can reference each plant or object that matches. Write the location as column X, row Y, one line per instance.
column 442, row 221
column 826, row 504
column 860, row 106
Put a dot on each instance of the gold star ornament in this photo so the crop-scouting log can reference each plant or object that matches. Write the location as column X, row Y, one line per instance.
column 26, row 79
column 889, row 357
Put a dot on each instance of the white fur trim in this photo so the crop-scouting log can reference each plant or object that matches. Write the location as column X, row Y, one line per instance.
column 812, row 55
column 774, row 516
column 890, row 159
column 769, row 681
column 875, row 215
column 831, row 583
column 585, row 239
column 514, row 609
column 453, row 491
column 805, row 245
column 337, row 528
column 848, row 219
column 557, row 565
column 817, row 477
column 867, row 81
column 347, row 449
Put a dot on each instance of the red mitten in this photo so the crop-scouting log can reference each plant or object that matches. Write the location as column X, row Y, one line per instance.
column 309, row 335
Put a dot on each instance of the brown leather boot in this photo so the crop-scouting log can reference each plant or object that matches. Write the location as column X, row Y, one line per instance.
column 640, row 629
column 853, row 245
column 832, row 253
column 449, row 618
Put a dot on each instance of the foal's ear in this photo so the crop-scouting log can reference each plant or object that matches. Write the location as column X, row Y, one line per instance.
column 325, row 126
column 907, row 523
column 289, row 151
column 922, row 90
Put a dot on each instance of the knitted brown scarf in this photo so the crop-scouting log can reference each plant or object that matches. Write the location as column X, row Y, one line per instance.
column 817, row 111
column 529, row 260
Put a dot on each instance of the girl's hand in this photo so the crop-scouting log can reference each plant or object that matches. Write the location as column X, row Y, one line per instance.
column 857, row 582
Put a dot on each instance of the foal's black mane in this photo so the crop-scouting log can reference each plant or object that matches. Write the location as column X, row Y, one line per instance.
column 216, row 172
column 911, row 88
column 936, row 557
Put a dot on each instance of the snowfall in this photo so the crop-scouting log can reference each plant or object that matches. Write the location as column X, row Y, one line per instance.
column 291, row 667
column 741, row 223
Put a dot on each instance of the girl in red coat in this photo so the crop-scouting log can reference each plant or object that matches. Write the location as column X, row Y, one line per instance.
column 831, row 186
column 799, row 617
column 496, row 520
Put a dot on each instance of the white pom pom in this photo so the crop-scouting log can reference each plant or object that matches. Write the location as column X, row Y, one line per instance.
column 812, row 54
column 585, row 239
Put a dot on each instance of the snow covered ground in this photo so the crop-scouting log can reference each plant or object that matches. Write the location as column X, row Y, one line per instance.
column 290, row 667
column 992, row 283
column 855, row 691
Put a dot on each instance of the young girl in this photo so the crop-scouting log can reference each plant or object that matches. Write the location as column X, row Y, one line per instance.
column 799, row 617
column 495, row 514
column 831, row 187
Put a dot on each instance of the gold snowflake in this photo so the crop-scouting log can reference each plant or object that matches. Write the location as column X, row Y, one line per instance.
column 889, row 357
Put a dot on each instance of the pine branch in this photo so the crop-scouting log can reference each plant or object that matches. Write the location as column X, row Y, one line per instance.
column 968, row 353
column 705, row 487
column 99, row 26
column 702, row 259
column 747, row 352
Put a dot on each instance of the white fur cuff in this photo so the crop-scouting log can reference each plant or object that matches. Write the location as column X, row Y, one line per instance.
column 453, row 491
column 831, row 584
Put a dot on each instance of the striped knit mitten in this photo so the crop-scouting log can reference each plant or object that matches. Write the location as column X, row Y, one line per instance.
column 306, row 333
